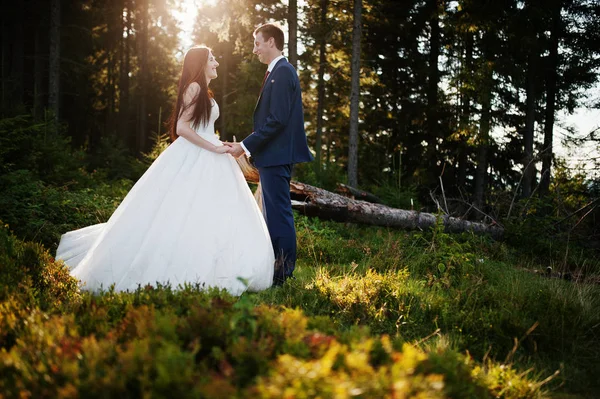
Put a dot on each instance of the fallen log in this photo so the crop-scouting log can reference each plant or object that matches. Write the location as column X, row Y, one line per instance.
column 314, row 201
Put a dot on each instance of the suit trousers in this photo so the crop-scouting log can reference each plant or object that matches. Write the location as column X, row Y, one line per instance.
column 277, row 210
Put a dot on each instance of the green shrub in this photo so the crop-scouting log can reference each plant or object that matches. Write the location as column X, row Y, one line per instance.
column 192, row 342
column 205, row 353
column 396, row 197
column 559, row 229
column 29, row 271
column 330, row 175
column 479, row 299
column 42, row 213
column 40, row 147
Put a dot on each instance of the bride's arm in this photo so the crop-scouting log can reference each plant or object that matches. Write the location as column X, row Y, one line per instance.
column 184, row 128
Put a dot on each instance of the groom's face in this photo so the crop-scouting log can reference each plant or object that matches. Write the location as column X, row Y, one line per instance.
column 263, row 48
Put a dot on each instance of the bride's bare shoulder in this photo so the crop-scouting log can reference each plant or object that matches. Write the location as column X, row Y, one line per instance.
column 192, row 91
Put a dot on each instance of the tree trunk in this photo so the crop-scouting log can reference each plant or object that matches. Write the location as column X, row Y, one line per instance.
column 224, row 76
column 54, row 58
column 143, row 115
column 5, row 44
column 528, row 162
column 17, row 57
column 551, row 77
column 354, row 94
column 484, row 131
column 293, row 32
column 328, row 151
column 110, row 81
column 313, row 201
column 399, row 115
column 38, row 71
column 321, row 85
column 465, row 114
column 124, row 131
column 432, row 91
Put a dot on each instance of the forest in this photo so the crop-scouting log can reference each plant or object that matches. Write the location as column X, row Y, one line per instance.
column 453, row 108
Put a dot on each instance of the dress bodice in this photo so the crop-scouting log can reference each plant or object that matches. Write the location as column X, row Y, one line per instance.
column 207, row 131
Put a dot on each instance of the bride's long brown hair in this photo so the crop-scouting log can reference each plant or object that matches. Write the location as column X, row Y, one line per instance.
column 194, row 66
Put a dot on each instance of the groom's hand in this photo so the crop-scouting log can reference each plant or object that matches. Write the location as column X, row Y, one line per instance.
column 235, row 149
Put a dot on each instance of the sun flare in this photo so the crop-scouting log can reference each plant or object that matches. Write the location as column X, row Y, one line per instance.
column 186, row 13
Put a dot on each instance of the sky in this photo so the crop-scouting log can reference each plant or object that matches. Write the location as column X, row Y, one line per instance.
column 584, row 120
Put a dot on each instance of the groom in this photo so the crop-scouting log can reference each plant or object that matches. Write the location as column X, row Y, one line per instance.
column 276, row 144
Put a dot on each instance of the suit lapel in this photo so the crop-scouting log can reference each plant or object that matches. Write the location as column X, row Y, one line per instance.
column 279, row 63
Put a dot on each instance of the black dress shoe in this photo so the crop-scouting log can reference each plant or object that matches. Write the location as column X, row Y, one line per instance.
column 278, row 281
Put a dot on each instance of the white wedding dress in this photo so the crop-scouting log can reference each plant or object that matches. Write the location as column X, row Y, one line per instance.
column 191, row 218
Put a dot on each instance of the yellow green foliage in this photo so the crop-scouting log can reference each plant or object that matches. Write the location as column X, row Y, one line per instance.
column 56, row 341
column 149, row 352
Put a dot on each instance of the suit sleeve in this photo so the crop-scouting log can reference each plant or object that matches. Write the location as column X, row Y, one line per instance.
column 280, row 103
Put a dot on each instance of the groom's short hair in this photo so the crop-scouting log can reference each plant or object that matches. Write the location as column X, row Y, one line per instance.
column 271, row 31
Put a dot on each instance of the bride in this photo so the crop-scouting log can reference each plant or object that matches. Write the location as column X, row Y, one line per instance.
column 191, row 218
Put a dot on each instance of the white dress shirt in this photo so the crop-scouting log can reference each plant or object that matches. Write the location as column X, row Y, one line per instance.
column 269, row 69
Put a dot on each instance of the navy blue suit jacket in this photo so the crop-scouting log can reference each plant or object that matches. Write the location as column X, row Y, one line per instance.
column 279, row 137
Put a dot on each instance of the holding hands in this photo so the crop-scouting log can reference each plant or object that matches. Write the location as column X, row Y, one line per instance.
column 221, row 149
column 235, row 149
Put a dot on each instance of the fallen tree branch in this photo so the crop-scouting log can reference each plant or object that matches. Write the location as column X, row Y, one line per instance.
column 355, row 193
column 314, row 201
column 472, row 206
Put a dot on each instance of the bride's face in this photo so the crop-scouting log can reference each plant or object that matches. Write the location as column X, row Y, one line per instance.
column 211, row 67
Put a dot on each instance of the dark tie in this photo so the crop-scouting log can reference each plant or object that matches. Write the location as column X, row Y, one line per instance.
column 264, row 80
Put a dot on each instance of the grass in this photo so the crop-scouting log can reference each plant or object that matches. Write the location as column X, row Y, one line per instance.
column 464, row 290
column 372, row 311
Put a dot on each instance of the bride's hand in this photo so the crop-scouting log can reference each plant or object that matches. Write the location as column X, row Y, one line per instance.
column 222, row 149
